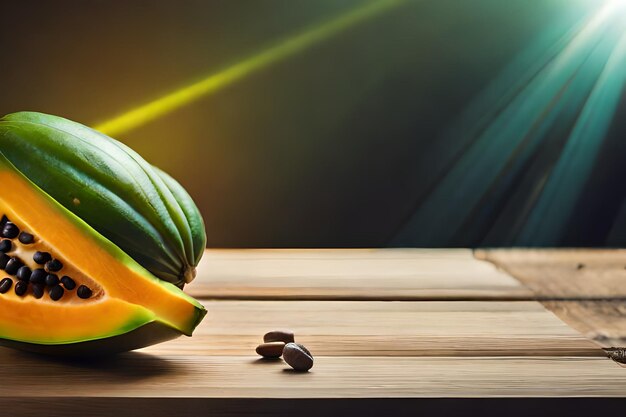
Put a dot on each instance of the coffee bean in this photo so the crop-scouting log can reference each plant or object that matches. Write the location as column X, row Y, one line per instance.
column 5, row 285
column 26, row 238
column 6, row 245
column 279, row 336
column 270, row 350
column 298, row 357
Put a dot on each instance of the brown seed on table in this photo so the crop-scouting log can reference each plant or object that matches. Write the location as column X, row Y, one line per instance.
column 298, row 357
column 279, row 336
column 270, row 350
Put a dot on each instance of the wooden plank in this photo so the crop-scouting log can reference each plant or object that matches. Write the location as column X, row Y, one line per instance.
column 197, row 376
column 573, row 256
column 565, row 273
column 602, row 321
column 586, row 288
column 352, row 274
column 395, row 352
column 368, row 328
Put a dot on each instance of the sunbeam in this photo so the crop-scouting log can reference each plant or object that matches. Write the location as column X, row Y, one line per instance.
column 541, row 137
column 154, row 109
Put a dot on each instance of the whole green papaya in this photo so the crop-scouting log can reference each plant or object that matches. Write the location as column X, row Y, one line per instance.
column 138, row 207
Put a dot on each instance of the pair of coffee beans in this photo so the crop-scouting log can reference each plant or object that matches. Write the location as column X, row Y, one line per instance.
column 279, row 343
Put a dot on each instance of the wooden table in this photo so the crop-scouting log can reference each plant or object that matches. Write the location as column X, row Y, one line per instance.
column 392, row 331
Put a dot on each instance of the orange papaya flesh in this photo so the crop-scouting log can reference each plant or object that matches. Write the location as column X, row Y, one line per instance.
column 127, row 307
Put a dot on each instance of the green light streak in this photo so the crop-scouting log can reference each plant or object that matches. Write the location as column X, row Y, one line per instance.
column 580, row 85
column 150, row 111
column 564, row 186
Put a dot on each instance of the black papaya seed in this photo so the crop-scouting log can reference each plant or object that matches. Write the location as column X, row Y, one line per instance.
column 13, row 265
column 68, row 282
column 38, row 276
column 10, row 230
column 21, row 287
column 52, row 280
column 6, row 245
column 23, row 273
column 26, row 238
column 37, row 290
column 4, row 260
column 56, row 292
column 5, row 285
column 41, row 257
column 54, row 265
column 84, row 292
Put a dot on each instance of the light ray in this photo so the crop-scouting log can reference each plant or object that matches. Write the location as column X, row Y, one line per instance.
column 564, row 186
column 154, row 109
column 464, row 203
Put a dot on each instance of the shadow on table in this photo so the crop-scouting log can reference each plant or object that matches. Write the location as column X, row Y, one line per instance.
column 267, row 361
column 125, row 367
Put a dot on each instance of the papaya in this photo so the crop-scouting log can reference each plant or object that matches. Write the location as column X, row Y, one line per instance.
column 95, row 243
column 108, row 185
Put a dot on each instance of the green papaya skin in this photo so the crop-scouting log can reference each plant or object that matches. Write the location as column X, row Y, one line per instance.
column 138, row 207
column 191, row 212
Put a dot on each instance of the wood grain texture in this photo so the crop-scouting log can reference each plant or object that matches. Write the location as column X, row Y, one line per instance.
column 368, row 328
column 370, row 356
column 199, row 376
column 352, row 274
column 565, row 273
column 602, row 321
column 586, row 288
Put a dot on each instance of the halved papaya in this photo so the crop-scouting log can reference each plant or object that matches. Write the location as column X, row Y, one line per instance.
column 135, row 205
column 66, row 289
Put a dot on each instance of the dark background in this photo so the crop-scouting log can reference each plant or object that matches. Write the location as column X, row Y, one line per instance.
column 335, row 146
